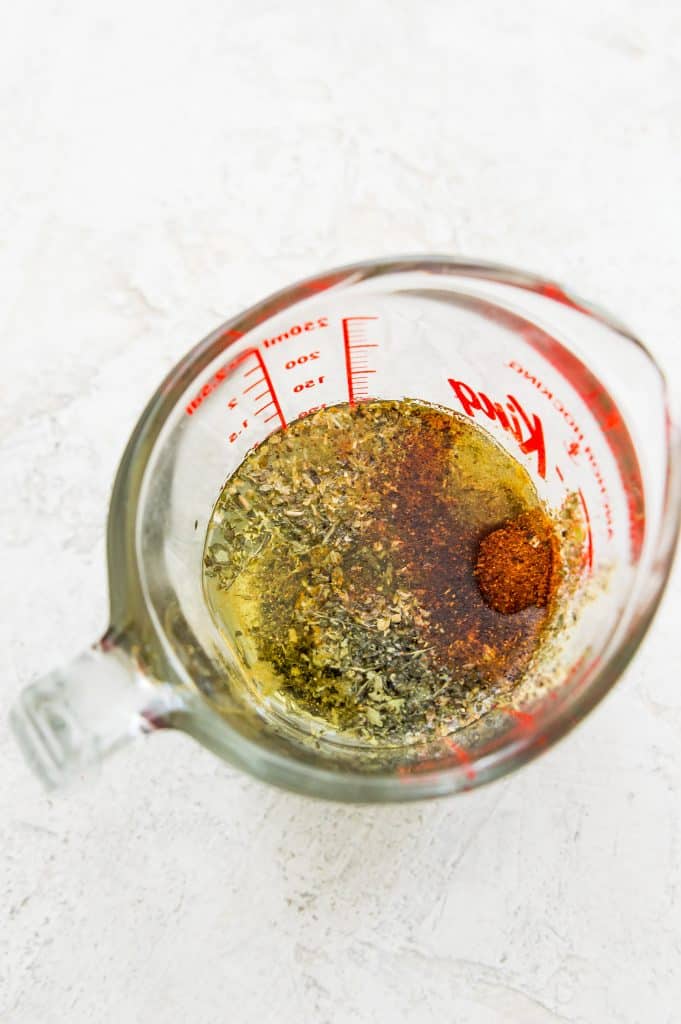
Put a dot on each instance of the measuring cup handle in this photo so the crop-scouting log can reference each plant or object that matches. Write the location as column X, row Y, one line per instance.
column 73, row 717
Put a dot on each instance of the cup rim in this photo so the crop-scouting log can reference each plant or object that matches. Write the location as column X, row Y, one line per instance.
column 130, row 616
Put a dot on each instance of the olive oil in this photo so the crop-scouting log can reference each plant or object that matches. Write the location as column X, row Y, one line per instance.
column 340, row 562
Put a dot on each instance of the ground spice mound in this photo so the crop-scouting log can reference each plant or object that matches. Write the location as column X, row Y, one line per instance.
column 515, row 567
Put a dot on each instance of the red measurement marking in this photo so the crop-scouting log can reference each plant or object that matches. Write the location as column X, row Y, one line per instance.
column 221, row 375
column 410, row 773
column 603, row 409
column 231, row 334
column 321, row 284
column 463, row 757
column 293, row 332
column 263, row 378
column 314, row 408
column 559, row 474
column 356, row 366
column 301, row 360
column 577, row 667
column 525, row 720
column 553, row 291
column 589, row 540
column 527, row 725
column 275, row 401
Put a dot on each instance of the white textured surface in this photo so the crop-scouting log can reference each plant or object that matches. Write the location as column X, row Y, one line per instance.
column 162, row 165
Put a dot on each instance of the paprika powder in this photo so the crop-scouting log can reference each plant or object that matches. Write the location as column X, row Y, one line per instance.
column 516, row 563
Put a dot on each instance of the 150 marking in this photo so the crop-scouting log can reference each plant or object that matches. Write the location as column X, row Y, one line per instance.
column 308, row 384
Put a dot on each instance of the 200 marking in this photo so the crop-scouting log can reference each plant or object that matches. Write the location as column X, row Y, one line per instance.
column 300, row 360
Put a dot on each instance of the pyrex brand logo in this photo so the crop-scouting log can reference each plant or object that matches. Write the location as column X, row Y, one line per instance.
column 526, row 429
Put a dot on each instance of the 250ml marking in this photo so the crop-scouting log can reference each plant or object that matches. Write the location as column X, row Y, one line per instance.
column 293, row 332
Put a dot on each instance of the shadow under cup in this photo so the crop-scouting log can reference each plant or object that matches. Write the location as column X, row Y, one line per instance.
column 557, row 384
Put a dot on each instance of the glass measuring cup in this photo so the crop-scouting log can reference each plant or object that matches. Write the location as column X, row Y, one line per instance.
column 564, row 388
